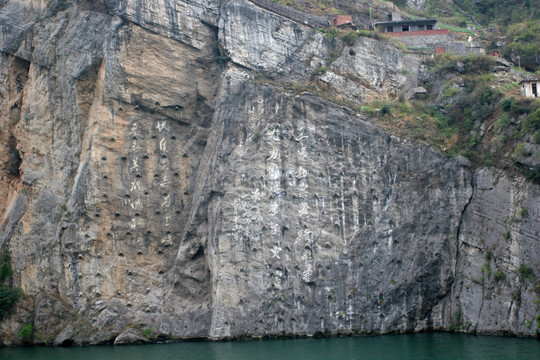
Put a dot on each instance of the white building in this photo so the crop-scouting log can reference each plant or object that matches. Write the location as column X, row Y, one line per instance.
column 529, row 88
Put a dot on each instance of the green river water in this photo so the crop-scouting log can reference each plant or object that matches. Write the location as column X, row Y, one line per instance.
column 416, row 346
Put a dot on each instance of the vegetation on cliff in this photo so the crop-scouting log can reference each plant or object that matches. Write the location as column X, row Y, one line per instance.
column 8, row 295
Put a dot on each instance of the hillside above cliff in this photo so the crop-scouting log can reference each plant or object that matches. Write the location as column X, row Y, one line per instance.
column 236, row 169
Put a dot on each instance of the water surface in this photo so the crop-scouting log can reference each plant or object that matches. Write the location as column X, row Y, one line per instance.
column 389, row 347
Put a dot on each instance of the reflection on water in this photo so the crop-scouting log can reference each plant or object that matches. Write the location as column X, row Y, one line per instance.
column 417, row 346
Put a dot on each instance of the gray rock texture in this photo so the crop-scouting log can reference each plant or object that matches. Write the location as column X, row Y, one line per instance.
column 154, row 182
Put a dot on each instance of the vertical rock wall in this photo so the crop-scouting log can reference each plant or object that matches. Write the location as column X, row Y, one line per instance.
column 147, row 185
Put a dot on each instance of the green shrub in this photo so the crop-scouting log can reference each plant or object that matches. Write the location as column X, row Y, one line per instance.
column 5, row 269
column 27, row 333
column 526, row 273
column 256, row 137
column 386, row 110
column 450, row 92
column 8, row 298
column 456, row 321
column 321, row 70
column 331, row 33
column 536, row 136
column 508, row 104
column 503, row 123
column 521, row 150
column 148, row 333
column 350, row 38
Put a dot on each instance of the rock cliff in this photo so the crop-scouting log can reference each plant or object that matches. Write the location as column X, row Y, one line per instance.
column 162, row 180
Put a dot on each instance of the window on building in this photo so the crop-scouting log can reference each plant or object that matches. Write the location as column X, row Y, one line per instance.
column 389, row 17
column 405, row 28
column 420, row 27
column 534, row 90
column 429, row 27
column 389, row 29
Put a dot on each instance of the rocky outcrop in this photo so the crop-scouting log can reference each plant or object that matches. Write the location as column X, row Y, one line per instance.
column 154, row 180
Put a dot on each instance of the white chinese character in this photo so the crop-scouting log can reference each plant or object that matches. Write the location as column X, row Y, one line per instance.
column 274, row 154
column 256, row 196
column 162, row 125
column 165, row 181
column 166, row 201
column 274, row 188
column 167, row 240
column 274, row 207
column 275, row 252
column 134, row 129
column 307, row 273
column 135, row 185
column 275, row 229
column 303, row 210
column 163, row 144
column 135, row 166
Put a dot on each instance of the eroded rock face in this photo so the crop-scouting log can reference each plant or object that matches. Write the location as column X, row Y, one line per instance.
column 334, row 226
column 498, row 242
column 146, row 186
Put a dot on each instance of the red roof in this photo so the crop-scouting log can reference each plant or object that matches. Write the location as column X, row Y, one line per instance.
column 339, row 20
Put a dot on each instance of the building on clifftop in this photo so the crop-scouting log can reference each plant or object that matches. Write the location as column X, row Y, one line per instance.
column 397, row 26
column 426, row 35
column 529, row 88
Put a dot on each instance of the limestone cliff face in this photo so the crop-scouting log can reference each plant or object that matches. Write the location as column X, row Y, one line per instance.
column 148, row 185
